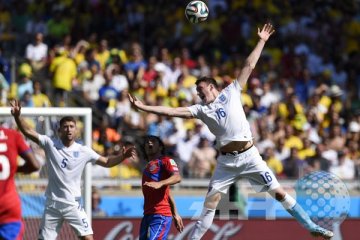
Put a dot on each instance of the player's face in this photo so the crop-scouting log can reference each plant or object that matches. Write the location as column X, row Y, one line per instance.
column 204, row 92
column 68, row 131
column 151, row 146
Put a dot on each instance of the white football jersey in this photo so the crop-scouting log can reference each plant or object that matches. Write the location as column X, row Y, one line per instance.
column 225, row 116
column 65, row 166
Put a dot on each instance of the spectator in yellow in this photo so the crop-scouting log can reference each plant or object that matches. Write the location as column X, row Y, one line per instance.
column 291, row 109
column 39, row 98
column 307, row 151
column 291, row 139
column 273, row 163
column 102, row 54
column 64, row 72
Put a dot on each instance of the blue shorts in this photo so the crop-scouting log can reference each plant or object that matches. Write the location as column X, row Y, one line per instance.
column 155, row 227
column 11, row 231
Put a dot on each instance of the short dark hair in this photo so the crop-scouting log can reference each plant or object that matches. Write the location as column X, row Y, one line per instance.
column 67, row 119
column 208, row 80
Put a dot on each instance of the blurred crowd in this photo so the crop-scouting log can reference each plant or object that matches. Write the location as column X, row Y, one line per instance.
column 302, row 100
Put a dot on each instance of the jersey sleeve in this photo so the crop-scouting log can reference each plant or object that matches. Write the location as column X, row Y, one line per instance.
column 44, row 140
column 171, row 166
column 93, row 156
column 21, row 145
column 235, row 84
column 195, row 110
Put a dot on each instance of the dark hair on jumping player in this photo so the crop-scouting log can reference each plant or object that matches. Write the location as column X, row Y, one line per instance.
column 208, row 80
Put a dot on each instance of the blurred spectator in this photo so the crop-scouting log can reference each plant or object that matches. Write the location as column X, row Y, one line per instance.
column 184, row 148
column 293, row 164
column 273, row 163
column 96, row 210
column 105, row 134
column 64, row 72
column 25, row 85
column 345, row 168
column 92, row 83
column 4, row 64
column 36, row 53
column 38, row 97
column 318, row 162
column 202, row 160
column 36, row 25
column 57, row 27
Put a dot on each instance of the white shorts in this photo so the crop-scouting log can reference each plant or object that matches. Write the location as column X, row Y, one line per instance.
column 56, row 213
column 249, row 165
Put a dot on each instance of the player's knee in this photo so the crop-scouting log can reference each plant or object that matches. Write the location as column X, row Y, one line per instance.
column 212, row 201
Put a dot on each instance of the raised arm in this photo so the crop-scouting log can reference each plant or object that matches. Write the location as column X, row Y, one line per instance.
column 21, row 123
column 254, row 56
column 182, row 112
column 177, row 219
column 111, row 161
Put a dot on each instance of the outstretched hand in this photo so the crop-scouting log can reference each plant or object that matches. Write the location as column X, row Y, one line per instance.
column 135, row 102
column 266, row 31
column 15, row 108
column 178, row 223
column 129, row 152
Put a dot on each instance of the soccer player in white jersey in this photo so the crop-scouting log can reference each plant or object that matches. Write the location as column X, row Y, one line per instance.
column 223, row 113
column 66, row 160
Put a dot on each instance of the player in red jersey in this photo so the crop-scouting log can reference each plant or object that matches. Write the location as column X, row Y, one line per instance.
column 159, row 206
column 12, row 144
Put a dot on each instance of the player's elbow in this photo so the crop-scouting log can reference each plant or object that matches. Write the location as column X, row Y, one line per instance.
column 32, row 164
column 177, row 178
column 249, row 65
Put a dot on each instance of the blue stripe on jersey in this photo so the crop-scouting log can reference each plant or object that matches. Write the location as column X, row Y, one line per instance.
column 155, row 176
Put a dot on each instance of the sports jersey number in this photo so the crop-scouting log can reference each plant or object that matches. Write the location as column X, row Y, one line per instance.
column 4, row 163
column 266, row 177
column 4, row 167
column 220, row 113
column 64, row 163
column 85, row 222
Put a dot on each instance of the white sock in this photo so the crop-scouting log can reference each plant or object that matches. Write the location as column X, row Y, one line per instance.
column 203, row 224
column 288, row 202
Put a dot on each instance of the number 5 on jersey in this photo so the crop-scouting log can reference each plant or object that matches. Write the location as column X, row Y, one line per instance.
column 64, row 163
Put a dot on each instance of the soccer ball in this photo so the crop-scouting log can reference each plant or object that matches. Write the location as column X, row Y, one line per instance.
column 196, row 11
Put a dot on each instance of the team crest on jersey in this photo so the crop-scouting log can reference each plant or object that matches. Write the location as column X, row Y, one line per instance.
column 172, row 162
column 222, row 98
column 154, row 167
column 76, row 154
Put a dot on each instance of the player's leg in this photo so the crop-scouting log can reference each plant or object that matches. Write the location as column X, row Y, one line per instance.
column 225, row 174
column 51, row 222
column 158, row 226
column 78, row 220
column 144, row 227
column 11, row 230
column 206, row 217
column 262, row 179
column 290, row 204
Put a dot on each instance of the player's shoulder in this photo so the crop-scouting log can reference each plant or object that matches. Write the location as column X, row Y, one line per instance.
column 9, row 133
column 168, row 160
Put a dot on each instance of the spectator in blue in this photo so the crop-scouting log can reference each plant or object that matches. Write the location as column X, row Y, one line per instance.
column 5, row 67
